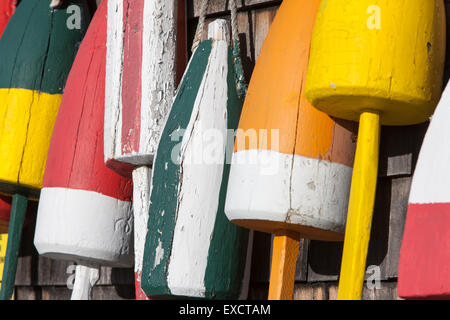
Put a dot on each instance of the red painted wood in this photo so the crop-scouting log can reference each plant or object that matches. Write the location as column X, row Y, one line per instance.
column 5, row 211
column 5, row 208
column 132, row 75
column 424, row 265
column 75, row 158
column 7, row 8
column 140, row 294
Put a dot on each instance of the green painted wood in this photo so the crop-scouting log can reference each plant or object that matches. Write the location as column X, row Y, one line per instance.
column 164, row 196
column 18, row 212
column 37, row 46
column 228, row 248
column 226, row 258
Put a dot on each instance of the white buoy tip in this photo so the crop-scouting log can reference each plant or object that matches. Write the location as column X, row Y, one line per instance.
column 218, row 30
column 55, row 3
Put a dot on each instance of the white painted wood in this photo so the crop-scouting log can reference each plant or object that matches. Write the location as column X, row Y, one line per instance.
column 86, row 276
column 55, row 3
column 431, row 181
column 141, row 204
column 272, row 186
column 81, row 225
column 202, row 158
column 158, row 71
column 218, row 30
column 113, row 79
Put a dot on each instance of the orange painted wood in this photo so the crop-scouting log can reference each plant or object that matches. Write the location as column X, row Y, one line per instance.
column 284, row 261
column 301, row 179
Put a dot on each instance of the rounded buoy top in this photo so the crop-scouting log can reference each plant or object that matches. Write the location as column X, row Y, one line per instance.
column 379, row 55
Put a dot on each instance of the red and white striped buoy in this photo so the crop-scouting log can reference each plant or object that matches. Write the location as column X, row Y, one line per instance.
column 424, row 262
column 145, row 49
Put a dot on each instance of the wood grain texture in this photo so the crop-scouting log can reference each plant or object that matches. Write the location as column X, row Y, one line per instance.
column 141, row 203
column 220, row 7
column 399, row 149
column 85, row 209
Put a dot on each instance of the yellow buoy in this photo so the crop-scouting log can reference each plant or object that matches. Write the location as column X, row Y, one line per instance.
column 379, row 62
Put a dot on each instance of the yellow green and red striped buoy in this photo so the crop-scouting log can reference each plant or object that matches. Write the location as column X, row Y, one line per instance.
column 380, row 62
column 37, row 49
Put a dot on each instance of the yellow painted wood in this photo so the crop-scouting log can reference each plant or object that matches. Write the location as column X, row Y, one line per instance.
column 26, row 124
column 360, row 210
column 378, row 54
column 3, row 242
column 284, row 260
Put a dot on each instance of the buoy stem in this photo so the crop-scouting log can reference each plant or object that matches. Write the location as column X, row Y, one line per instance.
column 284, row 261
column 360, row 208
column 18, row 212
column 86, row 276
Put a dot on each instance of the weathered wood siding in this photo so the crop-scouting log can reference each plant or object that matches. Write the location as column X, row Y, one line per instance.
column 318, row 264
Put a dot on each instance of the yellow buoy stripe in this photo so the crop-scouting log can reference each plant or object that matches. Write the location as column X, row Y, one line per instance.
column 26, row 123
column 3, row 242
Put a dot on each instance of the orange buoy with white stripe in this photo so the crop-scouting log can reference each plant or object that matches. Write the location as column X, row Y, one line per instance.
column 379, row 62
column 292, row 164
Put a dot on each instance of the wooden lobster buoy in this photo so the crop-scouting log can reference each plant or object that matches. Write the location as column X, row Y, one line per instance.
column 36, row 53
column 380, row 62
column 140, row 84
column 191, row 248
column 425, row 256
column 85, row 210
column 143, row 55
column 292, row 164
column 6, row 10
